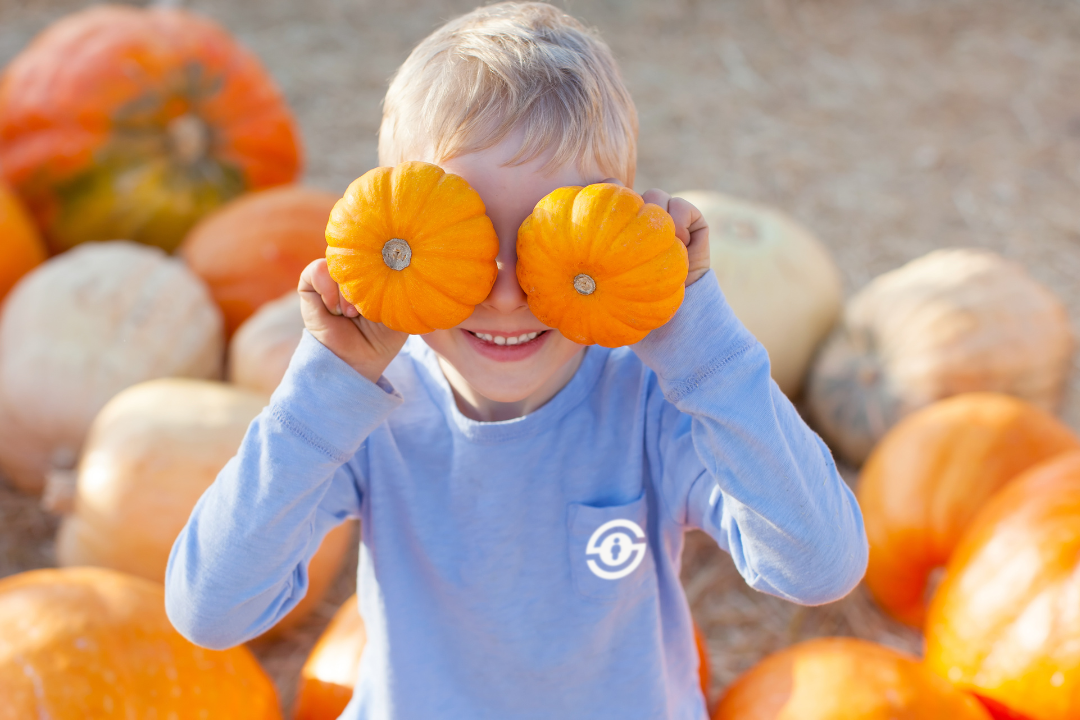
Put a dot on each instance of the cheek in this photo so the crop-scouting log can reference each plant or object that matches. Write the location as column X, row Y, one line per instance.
column 562, row 350
column 441, row 341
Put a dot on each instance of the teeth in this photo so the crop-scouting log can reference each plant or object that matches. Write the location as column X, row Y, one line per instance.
column 503, row 340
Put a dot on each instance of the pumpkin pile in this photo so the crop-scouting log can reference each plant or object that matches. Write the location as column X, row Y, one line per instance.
column 156, row 131
column 150, row 245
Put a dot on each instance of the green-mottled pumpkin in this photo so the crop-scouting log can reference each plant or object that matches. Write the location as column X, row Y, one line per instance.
column 127, row 123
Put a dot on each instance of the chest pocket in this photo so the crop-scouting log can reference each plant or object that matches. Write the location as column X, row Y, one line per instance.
column 610, row 556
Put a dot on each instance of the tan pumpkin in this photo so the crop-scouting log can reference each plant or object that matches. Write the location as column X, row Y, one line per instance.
column 600, row 264
column 953, row 321
column 21, row 247
column 254, row 248
column 930, row 475
column 150, row 454
column 844, row 679
column 80, row 328
column 412, row 247
column 260, row 351
column 780, row 280
column 92, row 643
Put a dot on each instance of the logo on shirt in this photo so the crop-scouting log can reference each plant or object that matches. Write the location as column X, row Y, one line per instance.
column 616, row 549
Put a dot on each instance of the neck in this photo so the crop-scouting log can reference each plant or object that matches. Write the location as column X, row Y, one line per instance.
column 475, row 406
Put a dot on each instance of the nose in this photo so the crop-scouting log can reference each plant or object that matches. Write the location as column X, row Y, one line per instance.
column 506, row 295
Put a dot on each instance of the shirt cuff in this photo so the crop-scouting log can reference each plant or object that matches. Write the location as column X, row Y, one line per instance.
column 703, row 336
column 324, row 396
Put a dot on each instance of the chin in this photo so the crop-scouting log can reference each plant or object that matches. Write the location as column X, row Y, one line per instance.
column 508, row 393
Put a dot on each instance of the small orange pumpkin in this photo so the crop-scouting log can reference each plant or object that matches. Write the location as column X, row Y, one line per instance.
column 412, row 247
column 21, row 248
column 128, row 123
column 1005, row 622
column 601, row 265
column 253, row 249
column 93, row 643
column 841, row 678
column 931, row 474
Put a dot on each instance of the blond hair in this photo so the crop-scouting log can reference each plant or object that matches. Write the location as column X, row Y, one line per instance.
column 508, row 66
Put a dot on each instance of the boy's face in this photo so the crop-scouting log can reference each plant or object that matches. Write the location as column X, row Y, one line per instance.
column 502, row 352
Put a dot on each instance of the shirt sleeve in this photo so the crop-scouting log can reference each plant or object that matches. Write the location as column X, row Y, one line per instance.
column 240, row 563
column 735, row 459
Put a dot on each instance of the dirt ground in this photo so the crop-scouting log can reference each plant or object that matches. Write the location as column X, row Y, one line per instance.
column 889, row 128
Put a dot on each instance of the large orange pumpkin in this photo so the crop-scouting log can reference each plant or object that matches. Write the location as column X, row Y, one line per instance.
column 930, row 475
column 1005, row 622
column 329, row 674
column 601, row 265
column 843, row 679
column 21, row 248
column 119, row 122
column 412, row 247
column 92, row 643
column 253, row 249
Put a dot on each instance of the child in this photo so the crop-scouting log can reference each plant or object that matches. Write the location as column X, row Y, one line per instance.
column 523, row 499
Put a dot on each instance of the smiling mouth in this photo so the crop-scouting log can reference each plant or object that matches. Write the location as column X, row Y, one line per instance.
column 522, row 339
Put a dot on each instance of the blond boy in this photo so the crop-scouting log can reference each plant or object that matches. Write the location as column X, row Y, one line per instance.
column 523, row 498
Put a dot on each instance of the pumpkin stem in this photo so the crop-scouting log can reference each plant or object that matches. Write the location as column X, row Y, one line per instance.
column 189, row 138
column 60, row 489
column 584, row 284
column 397, row 254
column 743, row 230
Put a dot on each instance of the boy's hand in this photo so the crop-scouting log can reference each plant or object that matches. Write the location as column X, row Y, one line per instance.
column 690, row 227
column 366, row 346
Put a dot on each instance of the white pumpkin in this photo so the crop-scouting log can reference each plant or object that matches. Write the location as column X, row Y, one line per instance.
column 83, row 326
column 151, row 453
column 779, row 279
column 950, row 322
column 260, row 351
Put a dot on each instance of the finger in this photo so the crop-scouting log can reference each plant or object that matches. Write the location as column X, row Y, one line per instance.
column 347, row 308
column 688, row 219
column 657, row 196
column 312, row 304
column 316, row 278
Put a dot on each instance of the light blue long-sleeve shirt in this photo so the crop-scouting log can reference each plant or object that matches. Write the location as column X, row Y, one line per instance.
column 526, row 568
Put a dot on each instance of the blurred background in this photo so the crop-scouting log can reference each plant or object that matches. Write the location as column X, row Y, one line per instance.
column 888, row 128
